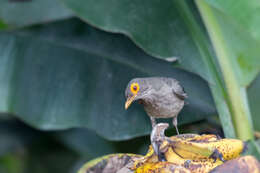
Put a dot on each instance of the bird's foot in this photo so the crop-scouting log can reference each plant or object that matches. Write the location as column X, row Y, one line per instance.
column 153, row 122
column 175, row 123
column 157, row 138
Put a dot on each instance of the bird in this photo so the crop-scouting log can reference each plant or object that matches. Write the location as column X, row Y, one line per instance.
column 162, row 97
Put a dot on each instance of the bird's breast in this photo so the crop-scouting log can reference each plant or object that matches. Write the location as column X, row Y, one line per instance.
column 165, row 105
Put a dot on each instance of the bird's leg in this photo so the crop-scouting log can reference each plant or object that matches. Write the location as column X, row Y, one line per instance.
column 175, row 123
column 153, row 121
column 157, row 137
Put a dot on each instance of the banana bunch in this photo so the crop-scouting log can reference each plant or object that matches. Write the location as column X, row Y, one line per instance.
column 206, row 146
column 189, row 153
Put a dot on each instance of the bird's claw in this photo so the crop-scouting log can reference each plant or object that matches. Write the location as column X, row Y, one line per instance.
column 157, row 138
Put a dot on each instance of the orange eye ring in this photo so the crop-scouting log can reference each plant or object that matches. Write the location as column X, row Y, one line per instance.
column 134, row 88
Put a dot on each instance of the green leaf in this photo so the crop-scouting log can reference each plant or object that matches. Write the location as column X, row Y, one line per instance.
column 254, row 95
column 2, row 25
column 247, row 20
column 253, row 148
column 89, row 145
column 48, row 156
column 217, row 86
column 69, row 74
column 11, row 163
column 163, row 29
column 235, row 80
column 156, row 26
column 22, row 13
column 86, row 143
column 241, row 32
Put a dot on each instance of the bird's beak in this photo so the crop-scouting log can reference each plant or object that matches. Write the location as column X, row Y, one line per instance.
column 129, row 101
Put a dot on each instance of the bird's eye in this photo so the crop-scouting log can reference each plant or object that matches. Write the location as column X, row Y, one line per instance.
column 134, row 88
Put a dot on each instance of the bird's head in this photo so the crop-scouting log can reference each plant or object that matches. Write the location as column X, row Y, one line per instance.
column 135, row 90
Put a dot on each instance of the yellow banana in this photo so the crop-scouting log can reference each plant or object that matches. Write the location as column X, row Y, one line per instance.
column 161, row 167
column 206, row 146
column 186, row 154
column 201, row 165
column 229, row 148
column 193, row 152
column 195, row 137
column 150, row 163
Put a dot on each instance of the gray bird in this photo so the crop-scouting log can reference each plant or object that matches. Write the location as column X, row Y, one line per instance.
column 161, row 97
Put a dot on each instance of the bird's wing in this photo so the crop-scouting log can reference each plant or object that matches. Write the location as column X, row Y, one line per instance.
column 180, row 94
column 176, row 88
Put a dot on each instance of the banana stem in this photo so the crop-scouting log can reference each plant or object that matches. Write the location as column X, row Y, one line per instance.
column 237, row 95
column 217, row 89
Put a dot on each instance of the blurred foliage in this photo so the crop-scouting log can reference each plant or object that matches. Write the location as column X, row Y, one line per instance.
column 62, row 65
column 24, row 149
column 20, row 13
column 62, row 74
column 241, row 33
column 175, row 30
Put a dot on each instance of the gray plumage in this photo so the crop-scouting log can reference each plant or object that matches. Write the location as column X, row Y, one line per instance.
column 162, row 97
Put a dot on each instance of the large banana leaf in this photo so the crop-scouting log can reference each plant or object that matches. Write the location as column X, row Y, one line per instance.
column 237, row 53
column 20, row 13
column 254, row 95
column 241, row 32
column 86, row 143
column 174, row 29
column 69, row 74
column 159, row 28
column 156, row 26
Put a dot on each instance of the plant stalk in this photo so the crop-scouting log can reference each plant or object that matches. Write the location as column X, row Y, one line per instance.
column 237, row 95
column 217, row 90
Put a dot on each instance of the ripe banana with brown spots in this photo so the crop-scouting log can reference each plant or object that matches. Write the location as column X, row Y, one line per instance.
column 161, row 167
column 175, row 162
column 151, row 162
column 207, row 146
column 193, row 152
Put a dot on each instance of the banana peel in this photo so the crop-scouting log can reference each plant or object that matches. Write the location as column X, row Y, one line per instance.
column 131, row 163
column 196, row 153
column 151, row 161
column 109, row 163
column 187, row 153
column 244, row 164
column 207, row 146
column 161, row 167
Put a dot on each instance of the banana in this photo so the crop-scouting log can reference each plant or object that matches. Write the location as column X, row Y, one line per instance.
column 193, row 152
column 241, row 164
column 150, row 157
column 195, row 137
column 187, row 153
column 161, row 167
column 174, row 163
column 201, row 165
column 229, row 148
column 207, row 146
